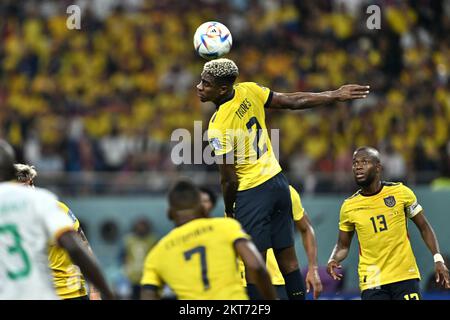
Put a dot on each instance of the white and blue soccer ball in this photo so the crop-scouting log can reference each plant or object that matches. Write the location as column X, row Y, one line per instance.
column 212, row 40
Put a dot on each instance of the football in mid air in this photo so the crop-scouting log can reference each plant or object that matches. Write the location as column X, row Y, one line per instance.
column 212, row 40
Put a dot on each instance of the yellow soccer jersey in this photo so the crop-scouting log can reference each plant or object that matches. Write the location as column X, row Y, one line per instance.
column 239, row 125
column 198, row 261
column 67, row 277
column 380, row 221
column 272, row 266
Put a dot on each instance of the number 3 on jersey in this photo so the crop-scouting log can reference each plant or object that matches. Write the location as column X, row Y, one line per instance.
column 11, row 231
column 202, row 251
column 250, row 123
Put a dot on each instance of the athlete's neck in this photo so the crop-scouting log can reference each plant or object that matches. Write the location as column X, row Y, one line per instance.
column 227, row 97
column 179, row 221
column 372, row 188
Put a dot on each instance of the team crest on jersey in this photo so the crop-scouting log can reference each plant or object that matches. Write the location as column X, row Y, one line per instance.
column 215, row 144
column 389, row 201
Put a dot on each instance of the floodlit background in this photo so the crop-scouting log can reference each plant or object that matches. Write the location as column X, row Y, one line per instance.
column 94, row 109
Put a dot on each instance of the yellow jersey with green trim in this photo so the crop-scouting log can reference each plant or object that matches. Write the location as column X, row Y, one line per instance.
column 198, row 261
column 271, row 262
column 239, row 126
column 380, row 221
column 67, row 277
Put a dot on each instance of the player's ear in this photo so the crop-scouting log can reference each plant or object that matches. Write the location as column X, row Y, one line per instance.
column 223, row 89
column 203, row 211
column 379, row 167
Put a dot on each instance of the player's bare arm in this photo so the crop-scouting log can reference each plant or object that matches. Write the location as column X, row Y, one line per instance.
column 310, row 245
column 71, row 242
column 305, row 100
column 149, row 293
column 256, row 267
column 94, row 294
column 339, row 253
column 229, row 182
column 429, row 237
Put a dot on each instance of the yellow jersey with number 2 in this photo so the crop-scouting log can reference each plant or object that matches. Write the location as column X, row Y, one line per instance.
column 239, row 126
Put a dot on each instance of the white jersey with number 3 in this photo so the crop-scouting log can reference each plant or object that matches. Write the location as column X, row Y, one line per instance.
column 29, row 220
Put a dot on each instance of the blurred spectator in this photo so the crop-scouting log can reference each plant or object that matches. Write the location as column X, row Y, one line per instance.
column 394, row 166
column 136, row 246
column 109, row 232
column 108, row 98
column 208, row 199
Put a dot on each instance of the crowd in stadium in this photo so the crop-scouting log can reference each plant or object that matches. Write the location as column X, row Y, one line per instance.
column 107, row 97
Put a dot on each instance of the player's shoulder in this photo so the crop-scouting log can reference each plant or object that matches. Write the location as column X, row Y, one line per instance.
column 353, row 197
column 395, row 187
column 43, row 194
column 391, row 184
column 63, row 206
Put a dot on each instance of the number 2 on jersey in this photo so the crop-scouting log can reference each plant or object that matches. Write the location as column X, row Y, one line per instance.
column 250, row 123
column 202, row 251
column 16, row 248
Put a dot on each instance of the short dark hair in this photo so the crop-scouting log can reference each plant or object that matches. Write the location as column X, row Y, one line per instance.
column 373, row 153
column 184, row 195
column 212, row 195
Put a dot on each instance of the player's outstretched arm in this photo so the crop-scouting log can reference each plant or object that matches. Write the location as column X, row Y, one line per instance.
column 310, row 244
column 305, row 100
column 339, row 253
column 429, row 237
column 71, row 242
column 256, row 268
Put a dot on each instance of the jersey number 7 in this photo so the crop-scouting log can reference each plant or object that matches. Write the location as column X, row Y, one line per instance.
column 202, row 251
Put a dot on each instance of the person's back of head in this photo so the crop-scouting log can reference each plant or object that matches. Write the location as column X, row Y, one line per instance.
column 184, row 202
column 25, row 173
column 7, row 159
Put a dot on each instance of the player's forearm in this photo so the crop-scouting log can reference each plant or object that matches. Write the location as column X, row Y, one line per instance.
column 339, row 253
column 305, row 100
column 263, row 284
column 90, row 270
column 429, row 237
column 86, row 262
column 310, row 245
column 229, row 190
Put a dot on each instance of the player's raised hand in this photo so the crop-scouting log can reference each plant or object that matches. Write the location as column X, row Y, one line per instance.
column 442, row 276
column 313, row 279
column 351, row 91
column 330, row 269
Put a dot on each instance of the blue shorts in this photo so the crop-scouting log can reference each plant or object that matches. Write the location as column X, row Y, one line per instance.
column 265, row 213
column 402, row 290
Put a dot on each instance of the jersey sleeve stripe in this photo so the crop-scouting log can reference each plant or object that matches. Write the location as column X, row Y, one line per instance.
column 269, row 100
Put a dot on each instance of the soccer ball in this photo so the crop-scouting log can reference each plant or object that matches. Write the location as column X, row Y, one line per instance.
column 212, row 40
